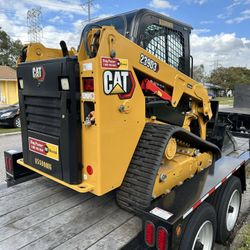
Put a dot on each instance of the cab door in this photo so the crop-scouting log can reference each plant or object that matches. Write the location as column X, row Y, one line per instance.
column 165, row 39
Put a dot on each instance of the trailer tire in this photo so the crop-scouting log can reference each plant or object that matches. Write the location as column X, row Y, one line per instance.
column 229, row 199
column 202, row 225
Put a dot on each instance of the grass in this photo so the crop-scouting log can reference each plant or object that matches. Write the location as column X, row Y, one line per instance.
column 8, row 130
column 225, row 100
column 245, row 245
column 245, row 242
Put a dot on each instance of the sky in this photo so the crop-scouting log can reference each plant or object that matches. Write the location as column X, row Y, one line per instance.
column 220, row 36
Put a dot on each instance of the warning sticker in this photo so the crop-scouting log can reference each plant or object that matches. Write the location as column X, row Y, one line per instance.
column 44, row 148
column 114, row 63
column 161, row 213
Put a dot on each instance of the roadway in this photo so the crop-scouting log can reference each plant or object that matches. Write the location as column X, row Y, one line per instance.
column 7, row 142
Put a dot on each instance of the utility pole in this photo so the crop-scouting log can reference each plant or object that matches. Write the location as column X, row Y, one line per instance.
column 34, row 17
column 89, row 10
column 88, row 5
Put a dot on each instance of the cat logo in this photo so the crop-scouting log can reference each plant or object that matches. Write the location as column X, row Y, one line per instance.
column 38, row 73
column 118, row 82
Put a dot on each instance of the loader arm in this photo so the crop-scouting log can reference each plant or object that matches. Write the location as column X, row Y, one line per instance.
column 37, row 51
column 177, row 84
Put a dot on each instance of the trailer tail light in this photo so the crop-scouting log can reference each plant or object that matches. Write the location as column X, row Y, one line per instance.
column 88, row 84
column 149, row 233
column 162, row 237
column 8, row 165
column 16, row 173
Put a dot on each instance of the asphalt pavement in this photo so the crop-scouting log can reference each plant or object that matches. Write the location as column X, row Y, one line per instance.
column 7, row 142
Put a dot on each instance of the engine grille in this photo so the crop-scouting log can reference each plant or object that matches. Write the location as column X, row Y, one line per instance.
column 43, row 114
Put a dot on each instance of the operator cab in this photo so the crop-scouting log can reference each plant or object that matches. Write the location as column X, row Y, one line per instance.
column 163, row 37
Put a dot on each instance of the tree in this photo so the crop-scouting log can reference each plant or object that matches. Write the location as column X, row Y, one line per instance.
column 9, row 49
column 199, row 74
column 229, row 77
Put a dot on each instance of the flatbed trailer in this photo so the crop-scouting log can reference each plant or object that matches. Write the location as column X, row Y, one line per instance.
column 41, row 214
column 174, row 211
column 238, row 116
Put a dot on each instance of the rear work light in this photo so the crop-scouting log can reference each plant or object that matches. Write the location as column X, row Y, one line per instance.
column 20, row 83
column 88, row 84
column 65, row 83
column 162, row 238
column 149, row 233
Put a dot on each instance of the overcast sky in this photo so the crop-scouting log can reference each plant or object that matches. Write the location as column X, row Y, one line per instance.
column 221, row 34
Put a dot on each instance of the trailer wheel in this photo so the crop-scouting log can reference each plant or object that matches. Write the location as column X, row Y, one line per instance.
column 228, row 209
column 200, row 230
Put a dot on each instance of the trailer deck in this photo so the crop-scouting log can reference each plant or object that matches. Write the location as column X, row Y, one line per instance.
column 41, row 214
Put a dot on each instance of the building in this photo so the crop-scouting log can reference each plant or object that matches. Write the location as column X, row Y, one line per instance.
column 214, row 90
column 8, row 85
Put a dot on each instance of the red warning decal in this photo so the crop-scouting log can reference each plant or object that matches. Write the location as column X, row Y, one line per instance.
column 44, row 148
column 114, row 63
column 37, row 146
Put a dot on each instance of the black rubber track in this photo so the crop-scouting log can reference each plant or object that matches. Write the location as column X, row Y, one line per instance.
column 136, row 190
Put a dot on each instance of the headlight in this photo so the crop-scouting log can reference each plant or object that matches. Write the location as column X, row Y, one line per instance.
column 6, row 114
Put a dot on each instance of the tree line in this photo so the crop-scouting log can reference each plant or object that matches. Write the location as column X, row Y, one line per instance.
column 9, row 49
column 226, row 78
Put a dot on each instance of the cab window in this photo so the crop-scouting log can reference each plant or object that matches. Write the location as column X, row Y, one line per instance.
column 166, row 44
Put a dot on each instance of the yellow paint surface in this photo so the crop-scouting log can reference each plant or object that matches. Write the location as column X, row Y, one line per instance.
column 8, row 92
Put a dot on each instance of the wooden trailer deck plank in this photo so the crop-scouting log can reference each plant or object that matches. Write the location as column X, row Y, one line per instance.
column 55, row 217
column 97, row 231
column 52, row 211
column 24, row 236
column 72, row 228
column 26, row 188
column 119, row 237
column 6, row 206
column 26, row 211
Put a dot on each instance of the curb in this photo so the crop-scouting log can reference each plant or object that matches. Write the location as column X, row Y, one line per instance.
column 12, row 133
